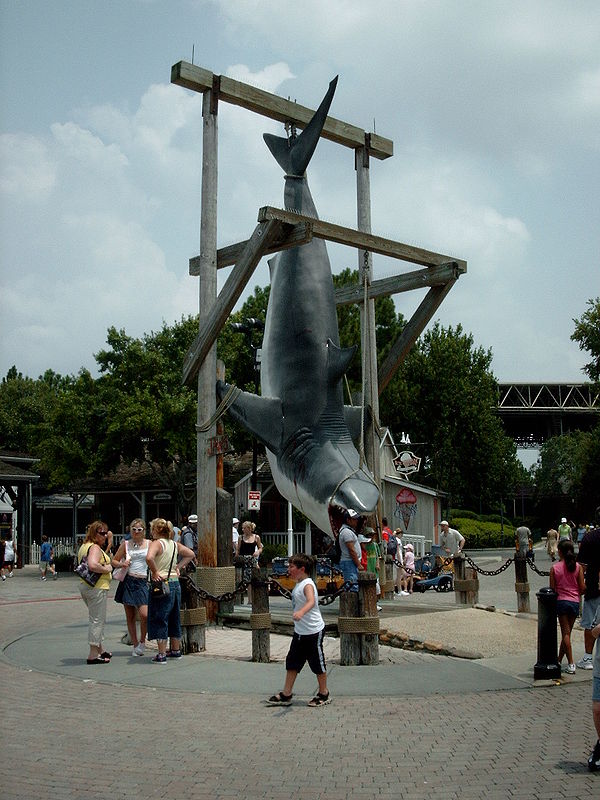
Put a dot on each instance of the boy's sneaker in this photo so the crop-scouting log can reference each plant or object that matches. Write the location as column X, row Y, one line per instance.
column 10, row 574
column 4, row 577
column 570, row 669
column 594, row 759
column 44, row 578
column 585, row 662
column 160, row 658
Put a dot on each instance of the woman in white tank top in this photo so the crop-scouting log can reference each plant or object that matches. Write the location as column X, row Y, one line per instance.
column 132, row 591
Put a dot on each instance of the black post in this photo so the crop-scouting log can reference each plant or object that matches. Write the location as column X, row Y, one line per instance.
column 547, row 665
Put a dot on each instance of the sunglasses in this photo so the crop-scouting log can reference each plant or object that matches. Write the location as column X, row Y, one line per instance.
column 137, row 529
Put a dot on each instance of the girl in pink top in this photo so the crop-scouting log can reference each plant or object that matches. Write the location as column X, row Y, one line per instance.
column 566, row 578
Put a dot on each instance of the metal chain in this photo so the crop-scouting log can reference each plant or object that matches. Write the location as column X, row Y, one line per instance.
column 226, row 596
column 506, row 565
column 535, row 569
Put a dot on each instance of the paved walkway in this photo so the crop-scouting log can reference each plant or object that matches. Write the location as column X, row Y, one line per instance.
column 414, row 726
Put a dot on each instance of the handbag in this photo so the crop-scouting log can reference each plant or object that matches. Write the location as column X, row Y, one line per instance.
column 85, row 573
column 160, row 588
column 120, row 572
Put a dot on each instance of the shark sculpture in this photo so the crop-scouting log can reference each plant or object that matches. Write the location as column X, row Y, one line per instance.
column 300, row 415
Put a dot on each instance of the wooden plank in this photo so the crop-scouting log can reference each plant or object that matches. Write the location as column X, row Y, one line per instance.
column 362, row 240
column 420, row 278
column 291, row 236
column 263, row 236
column 270, row 105
column 412, row 330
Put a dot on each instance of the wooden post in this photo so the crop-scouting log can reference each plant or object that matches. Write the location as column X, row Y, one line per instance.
column 193, row 619
column 358, row 623
column 367, row 313
column 260, row 618
column 521, row 583
column 466, row 590
column 367, row 605
column 387, row 588
column 205, row 470
column 349, row 640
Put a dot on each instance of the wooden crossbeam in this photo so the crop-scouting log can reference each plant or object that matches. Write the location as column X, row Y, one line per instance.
column 411, row 332
column 290, row 237
column 270, row 105
column 420, row 278
column 362, row 240
column 264, row 235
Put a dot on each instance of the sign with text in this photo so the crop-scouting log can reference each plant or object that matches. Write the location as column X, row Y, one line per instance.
column 253, row 500
column 407, row 462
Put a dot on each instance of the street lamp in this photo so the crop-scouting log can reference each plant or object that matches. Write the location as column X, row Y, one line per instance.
column 248, row 327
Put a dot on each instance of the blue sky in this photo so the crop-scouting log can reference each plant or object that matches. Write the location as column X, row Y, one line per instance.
column 494, row 110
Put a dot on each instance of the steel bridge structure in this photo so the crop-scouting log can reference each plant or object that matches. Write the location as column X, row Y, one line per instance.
column 534, row 412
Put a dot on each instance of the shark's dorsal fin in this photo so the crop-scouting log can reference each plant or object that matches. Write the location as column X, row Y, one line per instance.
column 262, row 416
column 338, row 360
column 293, row 155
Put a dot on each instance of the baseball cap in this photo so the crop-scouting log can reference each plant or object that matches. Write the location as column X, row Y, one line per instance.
column 193, row 518
column 564, row 519
column 444, row 522
column 352, row 514
column 235, row 520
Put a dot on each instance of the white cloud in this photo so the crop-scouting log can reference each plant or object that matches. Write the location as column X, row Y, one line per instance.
column 28, row 172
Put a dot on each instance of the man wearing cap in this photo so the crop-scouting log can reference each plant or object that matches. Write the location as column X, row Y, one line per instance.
column 350, row 547
column 235, row 534
column 564, row 530
column 451, row 541
column 189, row 534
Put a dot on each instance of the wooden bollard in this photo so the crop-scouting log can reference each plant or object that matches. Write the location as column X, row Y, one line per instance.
column 521, row 583
column 358, row 623
column 193, row 619
column 387, row 585
column 260, row 618
column 466, row 590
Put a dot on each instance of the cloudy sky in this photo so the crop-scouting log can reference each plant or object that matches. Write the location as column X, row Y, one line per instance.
column 493, row 108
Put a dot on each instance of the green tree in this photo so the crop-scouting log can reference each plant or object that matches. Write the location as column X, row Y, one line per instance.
column 587, row 335
column 445, row 395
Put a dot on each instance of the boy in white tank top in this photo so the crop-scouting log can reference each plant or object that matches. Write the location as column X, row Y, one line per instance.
column 307, row 641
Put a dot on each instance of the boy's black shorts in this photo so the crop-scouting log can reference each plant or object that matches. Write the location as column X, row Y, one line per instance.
column 307, row 648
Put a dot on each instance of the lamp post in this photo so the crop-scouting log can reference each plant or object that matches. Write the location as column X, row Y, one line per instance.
column 248, row 327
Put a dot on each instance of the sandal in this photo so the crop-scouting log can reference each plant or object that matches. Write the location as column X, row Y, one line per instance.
column 106, row 655
column 320, row 700
column 280, row 699
column 98, row 660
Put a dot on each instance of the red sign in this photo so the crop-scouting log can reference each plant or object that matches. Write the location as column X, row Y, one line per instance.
column 253, row 500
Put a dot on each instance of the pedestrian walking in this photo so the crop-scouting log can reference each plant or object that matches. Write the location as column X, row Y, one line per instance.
column 307, row 641
column 47, row 559
column 9, row 558
column 566, row 578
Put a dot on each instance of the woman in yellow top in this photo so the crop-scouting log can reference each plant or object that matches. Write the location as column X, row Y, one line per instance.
column 163, row 612
column 94, row 597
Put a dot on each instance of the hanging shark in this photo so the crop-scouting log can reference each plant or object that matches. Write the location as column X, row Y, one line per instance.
column 300, row 415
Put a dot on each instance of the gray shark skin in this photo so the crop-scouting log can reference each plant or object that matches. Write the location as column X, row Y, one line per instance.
column 300, row 417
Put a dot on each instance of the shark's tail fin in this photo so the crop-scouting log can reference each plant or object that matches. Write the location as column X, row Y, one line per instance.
column 294, row 155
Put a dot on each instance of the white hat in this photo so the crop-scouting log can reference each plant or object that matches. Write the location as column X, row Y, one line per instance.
column 564, row 519
column 363, row 539
column 235, row 520
column 193, row 518
column 352, row 514
column 408, row 546
column 444, row 522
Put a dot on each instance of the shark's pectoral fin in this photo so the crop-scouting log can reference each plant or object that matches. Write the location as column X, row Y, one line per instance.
column 262, row 416
column 353, row 417
column 338, row 361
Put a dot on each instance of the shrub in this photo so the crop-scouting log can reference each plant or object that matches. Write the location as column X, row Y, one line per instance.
column 461, row 513
column 271, row 551
column 480, row 534
column 64, row 563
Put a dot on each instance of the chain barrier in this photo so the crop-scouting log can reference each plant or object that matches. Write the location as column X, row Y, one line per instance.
column 226, row 596
column 535, row 569
column 481, row 571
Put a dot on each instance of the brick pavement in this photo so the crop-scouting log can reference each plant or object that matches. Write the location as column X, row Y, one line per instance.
column 62, row 734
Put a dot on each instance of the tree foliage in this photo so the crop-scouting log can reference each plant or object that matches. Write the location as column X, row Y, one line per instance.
column 587, row 335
